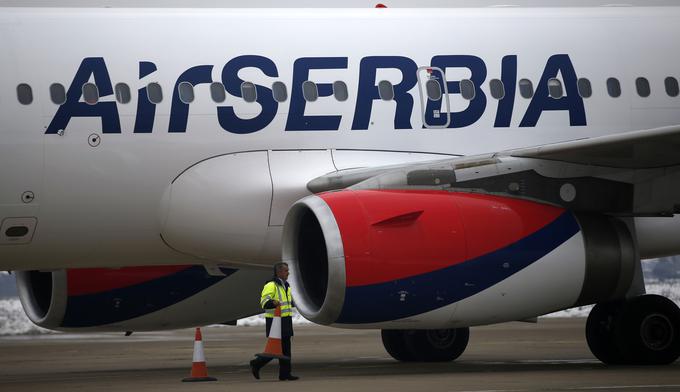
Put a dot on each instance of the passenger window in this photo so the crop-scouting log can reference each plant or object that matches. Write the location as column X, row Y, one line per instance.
column 58, row 93
column 434, row 90
column 467, row 89
column 309, row 91
column 497, row 88
column 613, row 87
column 248, row 92
column 24, row 94
column 672, row 88
column 122, row 91
column 217, row 92
column 555, row 88
column 642, row 87
column 585, row 90
column 385, row 90
column 340, row 91
column 90, row 93
column 154, row 92
column 279, row 91
column 186, row 92
column 526, row 89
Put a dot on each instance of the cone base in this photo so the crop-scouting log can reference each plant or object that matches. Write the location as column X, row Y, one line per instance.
column 268, row 355
column 198, row 379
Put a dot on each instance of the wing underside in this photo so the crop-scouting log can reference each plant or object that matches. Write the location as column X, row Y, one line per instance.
column 647, row 149
column 627, row 174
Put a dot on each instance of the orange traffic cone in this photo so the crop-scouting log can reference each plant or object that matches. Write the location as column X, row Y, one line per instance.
column 199, row 372
column 273, row 349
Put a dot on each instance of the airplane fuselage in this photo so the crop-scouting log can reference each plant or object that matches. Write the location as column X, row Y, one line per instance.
column 91, row 177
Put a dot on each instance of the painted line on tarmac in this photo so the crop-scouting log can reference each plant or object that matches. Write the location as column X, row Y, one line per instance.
column 560, row 361
column 593, row 388
column 372, row 358
column 585, row 361
column 497, row 390
column 656, row 386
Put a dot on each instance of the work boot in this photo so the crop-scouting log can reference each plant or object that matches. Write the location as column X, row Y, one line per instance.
column 255, row 370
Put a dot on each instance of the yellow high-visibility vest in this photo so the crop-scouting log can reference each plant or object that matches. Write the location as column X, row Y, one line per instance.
column 277, row 292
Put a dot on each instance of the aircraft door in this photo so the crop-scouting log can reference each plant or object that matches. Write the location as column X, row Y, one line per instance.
column 434, row 97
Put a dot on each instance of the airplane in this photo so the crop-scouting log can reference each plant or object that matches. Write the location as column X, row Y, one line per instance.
column 422, row 170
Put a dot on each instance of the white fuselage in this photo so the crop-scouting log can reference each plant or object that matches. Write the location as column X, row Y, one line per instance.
column 102, row 205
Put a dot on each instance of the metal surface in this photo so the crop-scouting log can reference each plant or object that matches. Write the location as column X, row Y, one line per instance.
column 219, row 209
column 335, row 291
column 610, row 259
column 642, row 149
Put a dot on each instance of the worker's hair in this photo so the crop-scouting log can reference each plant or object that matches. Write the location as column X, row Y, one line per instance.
column 279, row 266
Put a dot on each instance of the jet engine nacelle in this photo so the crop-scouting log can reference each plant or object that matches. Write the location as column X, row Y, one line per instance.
column 417, row 259
column 137, row 298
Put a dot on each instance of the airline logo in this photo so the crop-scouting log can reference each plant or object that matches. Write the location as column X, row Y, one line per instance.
column 366, row 93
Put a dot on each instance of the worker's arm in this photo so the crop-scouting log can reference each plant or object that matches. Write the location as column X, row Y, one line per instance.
column 267, row 300
column 270, row 304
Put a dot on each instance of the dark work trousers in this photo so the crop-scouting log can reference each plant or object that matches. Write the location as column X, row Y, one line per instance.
column 284, row 364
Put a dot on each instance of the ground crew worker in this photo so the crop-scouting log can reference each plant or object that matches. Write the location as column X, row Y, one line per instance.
column 277, row 293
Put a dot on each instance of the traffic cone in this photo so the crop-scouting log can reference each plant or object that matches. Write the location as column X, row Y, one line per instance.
column 274, row 349
column 199, row 372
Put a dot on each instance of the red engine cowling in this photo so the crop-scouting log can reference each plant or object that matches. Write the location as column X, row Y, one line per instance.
column 137, row 298
column 391, row 258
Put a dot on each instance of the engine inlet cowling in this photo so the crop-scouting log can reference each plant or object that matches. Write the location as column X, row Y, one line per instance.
column 146, row 298
column 388, row 253
column 43, row 296
column 435, row 259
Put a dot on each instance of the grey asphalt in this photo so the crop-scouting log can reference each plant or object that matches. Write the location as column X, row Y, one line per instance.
column 549, row 356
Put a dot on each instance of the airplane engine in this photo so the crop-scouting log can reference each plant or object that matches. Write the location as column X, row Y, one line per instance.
column 137, row 298
column 431, row 259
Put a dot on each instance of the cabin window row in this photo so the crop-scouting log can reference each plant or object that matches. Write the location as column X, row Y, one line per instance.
column 310, row 90
column 584, row 87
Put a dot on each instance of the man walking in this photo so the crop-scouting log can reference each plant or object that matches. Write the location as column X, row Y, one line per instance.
column 277, row 293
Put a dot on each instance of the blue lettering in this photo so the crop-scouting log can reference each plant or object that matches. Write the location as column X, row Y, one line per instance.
column 571, row 101
column 179, row 112
column 507, row 103
column 477, row 105
column 558, row 65
column 107, row 111
column 146, row 111
column 297, row 121
column 368, row 90
column 226, row 116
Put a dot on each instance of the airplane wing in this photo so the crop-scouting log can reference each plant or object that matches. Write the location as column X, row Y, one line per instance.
column 630, row 174
column 646, row 149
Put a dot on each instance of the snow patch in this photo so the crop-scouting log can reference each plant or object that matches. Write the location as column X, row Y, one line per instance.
column 13, row 320
column 259, row 320
column 669, row 289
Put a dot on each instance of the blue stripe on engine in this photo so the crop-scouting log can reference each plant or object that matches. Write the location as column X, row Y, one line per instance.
column 122, row 304
column 422, row 293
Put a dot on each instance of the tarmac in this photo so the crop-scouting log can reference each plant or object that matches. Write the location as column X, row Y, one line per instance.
column 549, row 356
